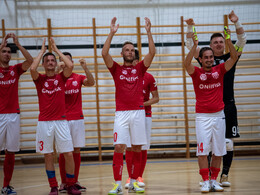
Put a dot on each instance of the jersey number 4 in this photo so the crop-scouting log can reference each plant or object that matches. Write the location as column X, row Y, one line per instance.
column 200, row 147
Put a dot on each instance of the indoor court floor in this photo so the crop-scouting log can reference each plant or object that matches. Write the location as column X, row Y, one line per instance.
column 164, row 176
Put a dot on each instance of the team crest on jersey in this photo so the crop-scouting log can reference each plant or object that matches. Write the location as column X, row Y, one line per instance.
column 1, row 75
column 124, row 72
column 215, row 75
column 75, row 83
column 133, row 71
column 12, row 73
column 46, row 84
column 56, row 82
column 203, row 77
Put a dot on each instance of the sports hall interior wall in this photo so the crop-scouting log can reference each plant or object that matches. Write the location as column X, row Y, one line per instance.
column 74, row 30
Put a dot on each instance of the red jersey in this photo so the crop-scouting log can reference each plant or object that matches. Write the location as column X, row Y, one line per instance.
column 9, row 88
column 73, row 97
column 129, row 86
column 208, row 87
column 149, row 85
column 51, row 97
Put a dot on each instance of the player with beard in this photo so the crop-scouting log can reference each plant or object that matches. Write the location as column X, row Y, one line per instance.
column 210, row 120
column 52, row 124
column 217, row 43
column 130, row 114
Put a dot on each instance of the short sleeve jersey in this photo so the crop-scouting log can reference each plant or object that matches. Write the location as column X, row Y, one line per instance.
column 228, row 93
column 73, row 97
column 9, row 78
column 149, row 86
column 51, row 95
column 208, row 87
column 129, row 86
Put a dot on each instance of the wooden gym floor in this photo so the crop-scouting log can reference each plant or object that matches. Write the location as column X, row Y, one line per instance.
column 166, row 176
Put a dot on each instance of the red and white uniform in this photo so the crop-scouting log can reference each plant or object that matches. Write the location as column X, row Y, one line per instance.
column 210, row 119
column 52, row 119
column 9, row 108
column 130, row 114
column 74, row 113
column 149, row 86
column 9, row 78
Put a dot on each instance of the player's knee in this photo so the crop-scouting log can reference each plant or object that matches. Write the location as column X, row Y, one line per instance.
column 119, row 148
column 129, row 149
column 229, row 144
column 136, row 148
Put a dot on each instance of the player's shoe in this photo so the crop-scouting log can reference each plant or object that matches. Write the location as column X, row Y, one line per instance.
column 63, row 188
column 73, row 190
column 54, row 191
column 205, row 188
column 134, row 188
column 224, row 181
column 117, row 189
column 8, row 190
column 127, row 183
column 140, row 182
column 215, row 187
column 80, row 187
column 201, row 182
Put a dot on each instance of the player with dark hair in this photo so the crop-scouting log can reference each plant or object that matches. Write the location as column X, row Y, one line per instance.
column 52, row 124
column 149, row 86
column 217, row 43
column 9, row 107
column 210, row 120
column 75, row 117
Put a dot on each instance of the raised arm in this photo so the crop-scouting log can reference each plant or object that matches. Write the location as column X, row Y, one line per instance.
column 89, row 81
column 3, row 44
column 233, row 53
column 187, row 63
column 36, row 61
column 189, row 41
column 105, row 50
column 28, row 58
column 4, row 41
column 241, row 36
column 154, row 99
column 149, row 57
column 67, row 71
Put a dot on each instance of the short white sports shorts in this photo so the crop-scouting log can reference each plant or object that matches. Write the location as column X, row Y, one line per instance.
column 49, row 131
column 210, row 133
column 10, row 132
column 77, row 131
column 130, row 125
column 148, row 127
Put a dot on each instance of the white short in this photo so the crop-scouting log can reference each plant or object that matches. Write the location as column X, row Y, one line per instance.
column 210, row 133
column 10, row 132
column 130, row 124
column 48, row 131
column 148, row 127
column 77, row 131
